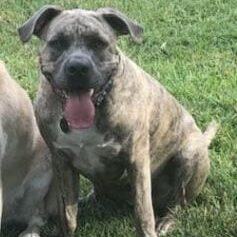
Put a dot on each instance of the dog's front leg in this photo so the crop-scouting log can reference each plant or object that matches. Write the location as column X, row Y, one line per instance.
column 67, row 181
column 141, row 181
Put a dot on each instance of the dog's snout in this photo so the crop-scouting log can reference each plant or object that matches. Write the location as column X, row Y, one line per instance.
column 80, row 72
column 77, row 67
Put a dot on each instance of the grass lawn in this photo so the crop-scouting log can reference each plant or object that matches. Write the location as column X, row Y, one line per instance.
column 191, row 47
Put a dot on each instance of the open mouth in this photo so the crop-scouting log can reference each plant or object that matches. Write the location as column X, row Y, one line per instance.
column 79, row 105
column 78, row 108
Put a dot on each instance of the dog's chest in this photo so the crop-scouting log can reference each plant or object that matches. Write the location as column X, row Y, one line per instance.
column 93, row 153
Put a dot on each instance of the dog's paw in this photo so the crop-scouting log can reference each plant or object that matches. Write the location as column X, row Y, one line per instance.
column 28, row 234
column 165, row 225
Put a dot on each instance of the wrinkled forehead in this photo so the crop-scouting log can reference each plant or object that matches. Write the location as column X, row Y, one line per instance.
column 79, row 23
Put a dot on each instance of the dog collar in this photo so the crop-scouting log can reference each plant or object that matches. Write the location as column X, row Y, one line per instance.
column 100, row 95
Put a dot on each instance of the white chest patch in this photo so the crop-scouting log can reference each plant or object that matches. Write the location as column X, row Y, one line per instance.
column 88, row 148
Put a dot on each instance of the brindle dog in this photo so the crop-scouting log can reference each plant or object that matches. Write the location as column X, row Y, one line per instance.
column 104, row 117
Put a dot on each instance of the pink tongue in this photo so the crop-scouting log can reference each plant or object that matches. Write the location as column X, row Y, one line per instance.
column 79, row 110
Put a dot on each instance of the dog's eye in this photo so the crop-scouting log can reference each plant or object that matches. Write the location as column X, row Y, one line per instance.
column 58, row 44
column 98, row 43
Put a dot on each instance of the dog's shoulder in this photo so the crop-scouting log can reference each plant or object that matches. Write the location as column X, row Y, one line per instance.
column 7, row 84
column 15, row 102
column 3, row 72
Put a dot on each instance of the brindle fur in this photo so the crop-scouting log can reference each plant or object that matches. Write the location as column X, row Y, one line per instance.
column 144, row 147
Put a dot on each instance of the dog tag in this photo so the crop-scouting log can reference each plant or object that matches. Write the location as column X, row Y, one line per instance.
column 64, row 125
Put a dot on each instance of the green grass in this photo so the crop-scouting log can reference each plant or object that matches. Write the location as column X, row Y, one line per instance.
column 191, row 47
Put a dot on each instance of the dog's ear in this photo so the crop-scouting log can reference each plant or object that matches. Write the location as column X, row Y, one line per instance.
column 38, row 23
column 121, row 24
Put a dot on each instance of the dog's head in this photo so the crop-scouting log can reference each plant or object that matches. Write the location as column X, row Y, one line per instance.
column 79, row 53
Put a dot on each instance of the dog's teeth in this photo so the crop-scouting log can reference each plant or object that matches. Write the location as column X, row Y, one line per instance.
column 91, row 92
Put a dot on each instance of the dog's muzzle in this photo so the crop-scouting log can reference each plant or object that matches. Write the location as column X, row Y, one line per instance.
column 79, row 108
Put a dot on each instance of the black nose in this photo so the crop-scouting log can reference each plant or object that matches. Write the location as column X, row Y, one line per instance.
column 77, row 67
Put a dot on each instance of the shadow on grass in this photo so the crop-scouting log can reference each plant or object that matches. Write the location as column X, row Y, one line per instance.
column 12, row 229
column 89, row 212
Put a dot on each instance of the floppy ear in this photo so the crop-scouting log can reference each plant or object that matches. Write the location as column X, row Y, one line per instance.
column 38, row 23
column 121, row 24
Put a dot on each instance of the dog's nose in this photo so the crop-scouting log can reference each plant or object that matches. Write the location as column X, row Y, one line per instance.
column 77, row 67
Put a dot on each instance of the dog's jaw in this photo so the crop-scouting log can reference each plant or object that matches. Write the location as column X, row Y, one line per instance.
column 79, row 105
